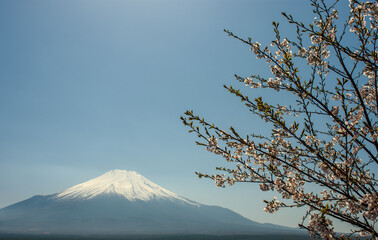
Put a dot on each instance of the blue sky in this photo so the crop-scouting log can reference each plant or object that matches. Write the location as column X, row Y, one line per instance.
column 91, row 86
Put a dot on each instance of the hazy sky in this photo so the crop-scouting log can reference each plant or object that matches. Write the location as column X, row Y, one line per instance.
column 91, row 86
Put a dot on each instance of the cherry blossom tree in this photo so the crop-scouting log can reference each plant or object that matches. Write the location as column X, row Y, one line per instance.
column 327, row 139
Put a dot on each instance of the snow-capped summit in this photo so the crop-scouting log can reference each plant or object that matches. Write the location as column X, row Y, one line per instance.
column 128, row 184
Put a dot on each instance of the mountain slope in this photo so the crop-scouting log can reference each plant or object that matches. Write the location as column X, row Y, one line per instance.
column 123, row 202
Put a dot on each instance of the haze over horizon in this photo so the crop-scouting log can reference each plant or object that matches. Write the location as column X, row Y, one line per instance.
column 91, row 86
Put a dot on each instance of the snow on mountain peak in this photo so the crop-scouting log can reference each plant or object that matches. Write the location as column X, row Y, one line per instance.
column 128, row 184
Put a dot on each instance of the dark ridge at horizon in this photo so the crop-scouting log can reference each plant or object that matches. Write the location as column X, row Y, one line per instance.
column 157, row 237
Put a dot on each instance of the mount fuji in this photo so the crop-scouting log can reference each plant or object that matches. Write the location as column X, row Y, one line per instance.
column 124, row 202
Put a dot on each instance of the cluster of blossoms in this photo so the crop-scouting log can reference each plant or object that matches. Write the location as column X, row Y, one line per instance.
column 318, row 223
column 360, row 13
column 274, row 83
column 370, row 204
column 251, row 83
column 256, row 48
column 328, row 139
column 272, row 206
